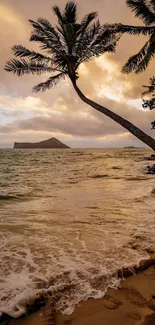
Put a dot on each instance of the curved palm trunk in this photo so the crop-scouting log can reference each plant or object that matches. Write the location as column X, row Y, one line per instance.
column 120, row 120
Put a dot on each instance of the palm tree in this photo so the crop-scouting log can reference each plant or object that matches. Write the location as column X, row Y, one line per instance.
column 67, row 46
column 150, row 103
column 145, row 10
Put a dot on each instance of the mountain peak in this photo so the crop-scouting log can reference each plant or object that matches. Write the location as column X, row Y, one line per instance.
column 51, row 143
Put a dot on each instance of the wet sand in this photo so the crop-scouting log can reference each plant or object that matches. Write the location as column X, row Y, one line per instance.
column 132, row 303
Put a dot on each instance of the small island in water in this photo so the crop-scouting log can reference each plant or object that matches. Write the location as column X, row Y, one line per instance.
column 51, row 143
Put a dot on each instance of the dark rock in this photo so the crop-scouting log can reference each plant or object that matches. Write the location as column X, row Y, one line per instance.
column 100, row 176
column 4, row 318
column 144, row 265
column 150, row 169
column 149, row 251
column 150, row 158
column 149, row 320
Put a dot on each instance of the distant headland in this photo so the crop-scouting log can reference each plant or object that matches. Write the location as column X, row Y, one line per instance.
column 51, row 143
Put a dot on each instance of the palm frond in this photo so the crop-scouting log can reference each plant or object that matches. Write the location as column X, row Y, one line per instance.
column 57, row 12
column 67, row 44
column 94, row 29
column 135, row 60
column 48, row 28
column 102, row 43
column 44, row 43
column 142, row 10
column 146, row 60
column 21, row 67
column 52, row 81
column 153, row 5
column 70, row 13
column 132, row 30
column 46, row 35
column 148, row 56
column 22, row 51
column 37, row 27
column 86, row 21
column 84, row 39
column 87, row 56
column 104, row 36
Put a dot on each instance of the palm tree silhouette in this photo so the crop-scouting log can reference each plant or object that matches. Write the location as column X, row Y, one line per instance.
column 145, row 10
column 67, row 46
column 150, row 103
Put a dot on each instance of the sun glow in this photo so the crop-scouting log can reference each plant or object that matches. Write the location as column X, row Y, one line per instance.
column 115, row 93
column 8, row 16
column 83, row 69
column 114, row 87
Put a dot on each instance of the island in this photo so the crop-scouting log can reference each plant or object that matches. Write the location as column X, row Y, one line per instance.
column 51, row 143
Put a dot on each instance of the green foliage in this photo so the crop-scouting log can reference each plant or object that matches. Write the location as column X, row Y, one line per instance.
column 150, row 103
column 64, row 46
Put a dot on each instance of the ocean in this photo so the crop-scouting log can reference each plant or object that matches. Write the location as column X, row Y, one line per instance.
column 69, row 220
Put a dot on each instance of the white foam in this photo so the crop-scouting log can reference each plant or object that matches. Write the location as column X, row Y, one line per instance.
column 75, row 237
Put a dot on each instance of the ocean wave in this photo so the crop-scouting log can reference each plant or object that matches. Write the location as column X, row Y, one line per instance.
column 6, row 197
column 66, row 242
column 143, row 178
column 63, row 293
column 16, row 197
column 100, row 176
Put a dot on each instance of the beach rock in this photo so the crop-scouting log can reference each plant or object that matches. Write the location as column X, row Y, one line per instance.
column 150, row 169
column 152, row 157
column 149, row 251
column 125, row 272
column 100, row 176
column 144, row 265
column 4, row 318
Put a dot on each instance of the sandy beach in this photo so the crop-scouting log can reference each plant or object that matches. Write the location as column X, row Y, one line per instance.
column 65, row 244
column 132, row 303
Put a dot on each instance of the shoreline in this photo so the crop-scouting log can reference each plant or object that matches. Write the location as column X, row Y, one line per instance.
column 132, row 303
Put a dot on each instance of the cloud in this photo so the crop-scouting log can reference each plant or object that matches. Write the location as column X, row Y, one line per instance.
column 59, row 111
column 72, row 118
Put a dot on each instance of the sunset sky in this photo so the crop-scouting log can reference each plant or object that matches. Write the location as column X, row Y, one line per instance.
column 25, row 116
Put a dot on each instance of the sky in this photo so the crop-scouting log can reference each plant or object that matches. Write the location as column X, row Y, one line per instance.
column 58, row 112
